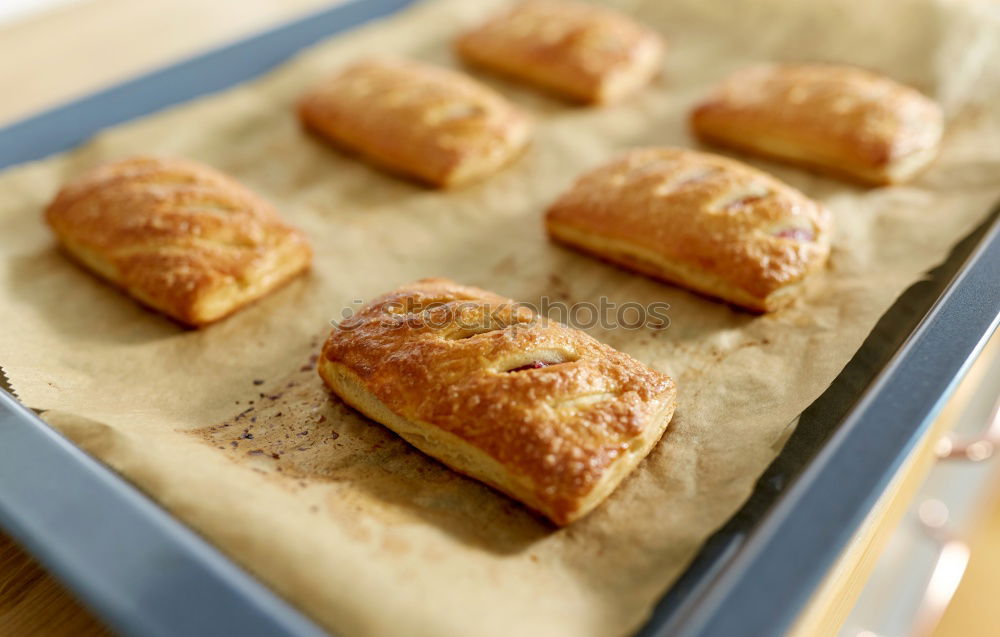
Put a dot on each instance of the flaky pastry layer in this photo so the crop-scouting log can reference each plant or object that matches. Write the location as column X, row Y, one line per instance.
column 705, row 222
column 437, row 125
column 177, row 235
column 536, row 409
column 580, row 51
column 838, row 119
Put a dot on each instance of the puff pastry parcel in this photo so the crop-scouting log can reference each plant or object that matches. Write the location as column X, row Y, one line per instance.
column 178, row 236
column 430, row 123
column 839, row 119
column 531, row 407
column 704, row 222
column 581, row 51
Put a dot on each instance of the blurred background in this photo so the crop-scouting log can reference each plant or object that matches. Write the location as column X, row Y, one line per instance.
column 58, row 49
column 926, row 562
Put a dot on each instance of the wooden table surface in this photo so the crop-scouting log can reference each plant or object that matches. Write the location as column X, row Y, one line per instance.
column 77, row 48
column 32, row 603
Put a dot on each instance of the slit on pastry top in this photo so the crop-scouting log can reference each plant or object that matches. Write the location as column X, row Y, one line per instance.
column 580, row 51
column 536, row 409
column 430, row 123
column 704, row 222
column 834, row 118
column 179, row 236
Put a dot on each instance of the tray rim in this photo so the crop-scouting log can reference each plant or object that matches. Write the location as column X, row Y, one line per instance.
column 790, row 550
column 734, row 586
column 78, row 518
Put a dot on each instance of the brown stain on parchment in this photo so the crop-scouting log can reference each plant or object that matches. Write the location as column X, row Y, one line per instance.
column 301, row 437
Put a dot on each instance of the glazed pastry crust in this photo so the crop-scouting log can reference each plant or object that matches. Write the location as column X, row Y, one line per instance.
column 704, row 222
column 432, row 361
column 838, row 119
column 430, row 123
column 178, row 236
column 580, row 51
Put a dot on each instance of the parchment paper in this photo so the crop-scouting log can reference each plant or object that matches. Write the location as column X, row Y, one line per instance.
column 343, row 518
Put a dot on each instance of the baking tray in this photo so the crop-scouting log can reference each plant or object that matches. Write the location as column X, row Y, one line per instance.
column 147, row 574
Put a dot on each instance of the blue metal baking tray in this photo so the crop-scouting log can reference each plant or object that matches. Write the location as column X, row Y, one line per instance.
column 147, row 574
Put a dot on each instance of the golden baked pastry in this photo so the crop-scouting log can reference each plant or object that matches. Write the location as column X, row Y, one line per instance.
column 178, row 236
column 705, row 222
column 838, row 119
column 584, row 52
column 437, row 125
column 531, row 407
